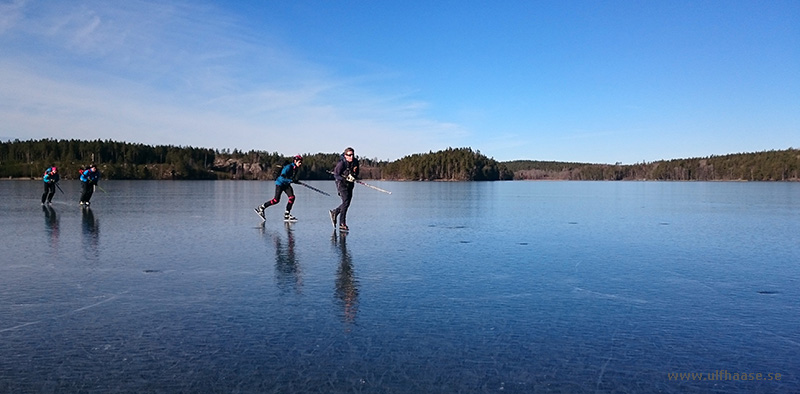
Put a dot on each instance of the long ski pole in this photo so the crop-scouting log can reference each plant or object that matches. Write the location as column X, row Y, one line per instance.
column 373, row 187
column 103, row 190
column 59, row 188
column 313, row 188
column 367, row 185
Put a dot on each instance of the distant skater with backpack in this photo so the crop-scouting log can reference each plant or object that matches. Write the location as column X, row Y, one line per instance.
column 89, row 178
column 283, row 184
column 345, row 173
column 50, row 179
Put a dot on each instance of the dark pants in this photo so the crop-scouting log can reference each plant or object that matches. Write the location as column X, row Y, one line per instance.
column 49, row 192
column 278, row 190
column 346, row 193
column 87, row 189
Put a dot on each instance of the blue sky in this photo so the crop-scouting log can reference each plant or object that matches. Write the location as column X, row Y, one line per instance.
column 581, row 81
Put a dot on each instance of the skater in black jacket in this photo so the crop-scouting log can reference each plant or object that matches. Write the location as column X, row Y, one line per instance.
column 345, row 173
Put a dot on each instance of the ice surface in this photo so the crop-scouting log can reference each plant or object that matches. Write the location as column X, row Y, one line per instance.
column 439, row 287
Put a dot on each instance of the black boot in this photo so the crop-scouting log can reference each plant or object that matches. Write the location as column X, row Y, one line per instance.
column 334, row 215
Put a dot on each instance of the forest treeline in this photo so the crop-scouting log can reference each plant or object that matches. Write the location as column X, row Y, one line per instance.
column 452, row 164
column 774, row 165
column 122, row 160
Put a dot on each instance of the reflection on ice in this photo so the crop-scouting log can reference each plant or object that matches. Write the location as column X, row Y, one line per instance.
column 288, row 271
column 91, row 235
column 346, row 282
column 51, row 225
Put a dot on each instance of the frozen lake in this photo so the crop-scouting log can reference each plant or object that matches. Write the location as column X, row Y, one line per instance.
column 519, row 287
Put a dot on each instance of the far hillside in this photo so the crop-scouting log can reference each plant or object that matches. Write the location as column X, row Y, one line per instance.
column 774, row 165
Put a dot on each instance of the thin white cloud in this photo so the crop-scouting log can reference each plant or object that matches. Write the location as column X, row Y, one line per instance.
column 187, row 75
column 10, row 14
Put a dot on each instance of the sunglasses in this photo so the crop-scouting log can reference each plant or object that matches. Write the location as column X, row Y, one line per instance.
column 348, row 154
